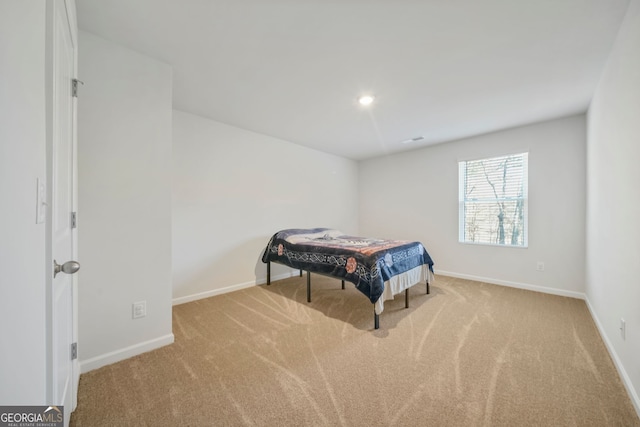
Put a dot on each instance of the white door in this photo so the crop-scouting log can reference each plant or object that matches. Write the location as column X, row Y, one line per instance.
column 63, row 386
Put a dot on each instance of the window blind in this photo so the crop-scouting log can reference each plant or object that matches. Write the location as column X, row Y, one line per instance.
column 493, row 200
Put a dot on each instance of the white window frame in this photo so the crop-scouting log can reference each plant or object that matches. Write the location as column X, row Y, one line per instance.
column 462, row 181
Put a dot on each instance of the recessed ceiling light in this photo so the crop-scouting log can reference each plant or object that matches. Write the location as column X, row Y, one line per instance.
column 366, row 100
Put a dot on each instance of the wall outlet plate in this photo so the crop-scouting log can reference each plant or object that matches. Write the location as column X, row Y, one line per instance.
column 139, row 309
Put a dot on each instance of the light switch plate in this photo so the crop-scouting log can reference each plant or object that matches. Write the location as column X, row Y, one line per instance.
column 41, row 201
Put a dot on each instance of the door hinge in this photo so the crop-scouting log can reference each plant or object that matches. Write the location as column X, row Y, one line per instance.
column 74, row 351
column 74, row 87
column 74, row 220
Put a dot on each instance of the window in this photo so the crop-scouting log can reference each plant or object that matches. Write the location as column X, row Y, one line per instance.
column 493, row 200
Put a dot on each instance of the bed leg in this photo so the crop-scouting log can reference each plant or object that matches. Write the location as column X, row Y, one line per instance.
column 406, row 298
column 308, row 286
column 300, row 273
column 427, row 287
column 376, row 319
column 268, row 273
column 343, row 284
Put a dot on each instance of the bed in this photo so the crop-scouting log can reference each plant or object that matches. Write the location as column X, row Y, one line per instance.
column 380, row 269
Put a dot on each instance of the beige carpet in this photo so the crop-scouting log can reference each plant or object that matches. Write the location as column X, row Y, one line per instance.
column 468, row 354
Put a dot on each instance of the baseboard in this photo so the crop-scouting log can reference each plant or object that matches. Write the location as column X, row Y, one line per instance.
column 124, row 353
column 535, row 288
column 231, row 288
column 633, row 394
column 292, row 273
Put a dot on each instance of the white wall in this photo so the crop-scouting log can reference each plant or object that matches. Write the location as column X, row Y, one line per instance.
column 22, row 242
column 124, row 206
column 414, row 195
column 232, row 189
column 613, row 208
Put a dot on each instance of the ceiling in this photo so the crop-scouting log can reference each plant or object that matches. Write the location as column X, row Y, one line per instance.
column 439, row 69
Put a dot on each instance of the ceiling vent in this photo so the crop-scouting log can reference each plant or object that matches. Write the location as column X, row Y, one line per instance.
column 416, row 139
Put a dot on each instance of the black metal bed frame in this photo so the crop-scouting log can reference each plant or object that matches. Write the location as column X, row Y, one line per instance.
column 376, row 316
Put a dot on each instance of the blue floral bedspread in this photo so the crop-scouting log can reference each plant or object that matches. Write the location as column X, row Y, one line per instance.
column 365, row 262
